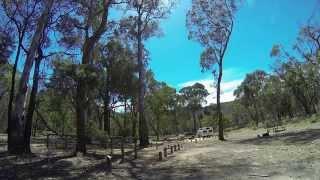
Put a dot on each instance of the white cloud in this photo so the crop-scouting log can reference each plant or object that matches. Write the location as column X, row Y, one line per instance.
column 227, row 88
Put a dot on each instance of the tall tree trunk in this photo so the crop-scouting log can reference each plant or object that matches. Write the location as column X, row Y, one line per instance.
column 194, row 122
column 31, row 106
column 158, row 127
column 143, row 127
column 81, row 111
column 220, row 120
column 125, row 121
column 176, row 123
column 200, row 124
column 12, row 88
column 134, row 118
column 100, row 123
column 106, row 110
column 82, row 88
column 256, row 117
column 16, row 133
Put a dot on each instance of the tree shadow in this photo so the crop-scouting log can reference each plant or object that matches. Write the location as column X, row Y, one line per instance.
column 289, row 138
column 214, row 170
column 34, row 169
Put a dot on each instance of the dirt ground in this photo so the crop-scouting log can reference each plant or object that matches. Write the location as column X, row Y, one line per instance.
column 293, row 154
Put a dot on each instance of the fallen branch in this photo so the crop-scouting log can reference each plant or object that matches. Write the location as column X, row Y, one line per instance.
column 258, row 175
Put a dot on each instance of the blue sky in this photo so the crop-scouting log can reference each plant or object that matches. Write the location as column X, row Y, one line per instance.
column 259, row 24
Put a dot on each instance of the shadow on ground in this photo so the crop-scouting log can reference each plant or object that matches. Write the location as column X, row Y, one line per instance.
column 289, row 138
column 61, row 167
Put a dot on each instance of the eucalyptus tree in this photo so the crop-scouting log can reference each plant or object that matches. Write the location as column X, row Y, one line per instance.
column 6, row 48
column 250, row 94
column 301, row 79
column 143, row 23
column 210, row 22
column 160, row 102
column 16, row 136
column 308, row 43
column 300, row 70
column 80, row 31
column 22, row 15
column 195, row 97
column 277, row 98
column 119, row 77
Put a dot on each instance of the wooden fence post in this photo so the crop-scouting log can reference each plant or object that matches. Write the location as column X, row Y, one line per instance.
column 165, row 152
column 160, row 156
column 171, row 148
column 175, row 147
column 178, row 147
column 48, row 141
column 109, row 163
column 111, row 146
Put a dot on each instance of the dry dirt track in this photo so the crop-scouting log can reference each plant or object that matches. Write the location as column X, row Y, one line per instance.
column 292, row 155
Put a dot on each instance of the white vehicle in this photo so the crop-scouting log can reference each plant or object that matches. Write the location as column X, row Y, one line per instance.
column 205, row 132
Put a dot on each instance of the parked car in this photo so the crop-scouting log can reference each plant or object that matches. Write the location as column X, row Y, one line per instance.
column 205, row 132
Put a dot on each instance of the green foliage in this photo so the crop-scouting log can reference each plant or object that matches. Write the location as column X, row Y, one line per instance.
column 194, row 96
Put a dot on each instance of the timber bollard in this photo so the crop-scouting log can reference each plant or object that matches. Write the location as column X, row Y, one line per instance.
column 122, row 150
column 165, row 154
column 109, row 163
column 160, row 156
column 171, row 148
column 178, row 147
column 175, row 147
column 48, row 141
